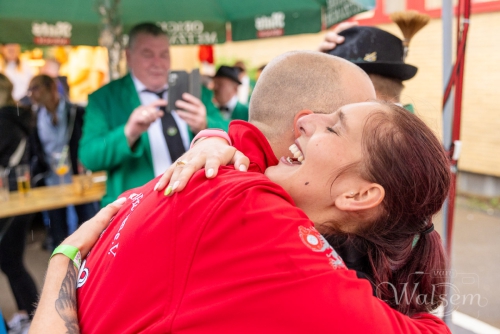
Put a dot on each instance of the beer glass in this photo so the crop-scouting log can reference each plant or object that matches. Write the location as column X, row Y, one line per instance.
column 23, row 179
column 4, row 184
column 60, row 165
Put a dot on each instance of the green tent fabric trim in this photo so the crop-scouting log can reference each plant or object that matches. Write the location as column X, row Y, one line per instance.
column 77, row 22
column 277, row 24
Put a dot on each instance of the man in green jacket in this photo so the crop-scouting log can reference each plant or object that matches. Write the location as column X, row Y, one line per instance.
column 226, row 84
column 125, row 133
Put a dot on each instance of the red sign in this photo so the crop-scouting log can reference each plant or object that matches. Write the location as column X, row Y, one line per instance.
column 270, row 33
column 51, row 41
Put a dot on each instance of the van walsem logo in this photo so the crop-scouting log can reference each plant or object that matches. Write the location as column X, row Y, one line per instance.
column 51, row 34
column 452, row 299
column 270, row 26
column 188, row 32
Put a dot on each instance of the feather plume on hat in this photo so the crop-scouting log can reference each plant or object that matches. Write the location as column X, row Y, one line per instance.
column 410, row 22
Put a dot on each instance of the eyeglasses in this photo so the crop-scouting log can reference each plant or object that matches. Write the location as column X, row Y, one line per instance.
column 32, row 89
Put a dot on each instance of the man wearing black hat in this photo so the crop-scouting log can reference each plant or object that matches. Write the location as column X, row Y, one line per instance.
column 226, row 84
column 379, row 53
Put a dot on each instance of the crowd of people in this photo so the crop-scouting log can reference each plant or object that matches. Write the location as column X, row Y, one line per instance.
column 326, row 229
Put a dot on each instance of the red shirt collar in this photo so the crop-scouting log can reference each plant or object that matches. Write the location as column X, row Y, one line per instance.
column 249, row 140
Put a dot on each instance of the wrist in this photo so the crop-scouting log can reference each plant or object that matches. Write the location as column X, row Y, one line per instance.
column 207, row 133
column 71, row 252
column 131, row 136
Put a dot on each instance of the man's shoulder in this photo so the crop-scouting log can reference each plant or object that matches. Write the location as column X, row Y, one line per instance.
column 228, row 177
column 231, row 185
column 113, row 86
column 240, row 112
column 241, row 106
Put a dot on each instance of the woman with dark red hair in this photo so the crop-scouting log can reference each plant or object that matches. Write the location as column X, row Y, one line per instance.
column 383, row 228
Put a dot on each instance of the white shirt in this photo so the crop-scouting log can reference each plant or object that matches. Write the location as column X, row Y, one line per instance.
column 157, row 142
column 230, row 105
column 20, row 78
column 244, row 90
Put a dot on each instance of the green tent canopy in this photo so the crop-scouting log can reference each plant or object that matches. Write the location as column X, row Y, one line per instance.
column 78, row 22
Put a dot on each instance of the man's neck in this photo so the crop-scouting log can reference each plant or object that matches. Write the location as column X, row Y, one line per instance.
column 278, row 143
column 392, row 99
column 231, row 103
column 140, row 86
column 251, row 141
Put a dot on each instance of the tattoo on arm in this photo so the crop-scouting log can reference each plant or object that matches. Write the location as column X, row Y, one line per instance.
column 66, row 303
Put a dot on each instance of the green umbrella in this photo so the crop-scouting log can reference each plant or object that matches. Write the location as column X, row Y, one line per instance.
column 79, row 22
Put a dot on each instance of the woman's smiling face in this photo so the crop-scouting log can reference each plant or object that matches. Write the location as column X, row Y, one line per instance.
column 330, row 145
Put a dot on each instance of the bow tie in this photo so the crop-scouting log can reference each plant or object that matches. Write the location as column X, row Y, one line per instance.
column 159, row 94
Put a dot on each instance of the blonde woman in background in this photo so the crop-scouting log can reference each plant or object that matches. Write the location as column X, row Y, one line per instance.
column 18, row 72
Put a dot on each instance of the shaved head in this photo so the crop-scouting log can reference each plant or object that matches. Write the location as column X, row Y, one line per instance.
column 302, row 80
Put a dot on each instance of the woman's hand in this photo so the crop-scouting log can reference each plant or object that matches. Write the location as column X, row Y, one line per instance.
column 87, row 234
column 209, row 153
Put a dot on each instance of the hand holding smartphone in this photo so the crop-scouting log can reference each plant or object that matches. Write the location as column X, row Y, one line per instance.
column 180, row 82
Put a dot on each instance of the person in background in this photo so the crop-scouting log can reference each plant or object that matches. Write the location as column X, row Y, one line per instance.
column 259, row 72
column 244, row 87
column 253, row 82
column 58, row 131
column 380, row 54
column 125, row 133
column 18, row 72
column 15, row 129
column 51, row 68
column 226, row 83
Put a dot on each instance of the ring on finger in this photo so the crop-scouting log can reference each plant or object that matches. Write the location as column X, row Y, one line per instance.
column 181, row 163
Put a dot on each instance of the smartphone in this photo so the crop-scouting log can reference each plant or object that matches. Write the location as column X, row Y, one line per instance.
column 180, row 82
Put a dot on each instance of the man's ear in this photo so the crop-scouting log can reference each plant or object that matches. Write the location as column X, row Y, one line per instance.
column 369, row 196
column 127, row 54
column 305, row 112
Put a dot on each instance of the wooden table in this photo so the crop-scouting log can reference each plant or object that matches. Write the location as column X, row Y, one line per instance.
column 54, row 197
column 48, row 198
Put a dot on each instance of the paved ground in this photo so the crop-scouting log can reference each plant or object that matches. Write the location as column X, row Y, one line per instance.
column 476, row 265
column 459, row 330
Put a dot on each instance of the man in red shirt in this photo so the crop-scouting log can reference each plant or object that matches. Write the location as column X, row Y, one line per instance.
column 233, row 254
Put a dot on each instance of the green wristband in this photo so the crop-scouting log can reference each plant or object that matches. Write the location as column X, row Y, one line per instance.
column 70, row 251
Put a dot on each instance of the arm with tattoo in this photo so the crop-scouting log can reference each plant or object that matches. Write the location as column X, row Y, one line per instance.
column 66, row 303
column 57, row 309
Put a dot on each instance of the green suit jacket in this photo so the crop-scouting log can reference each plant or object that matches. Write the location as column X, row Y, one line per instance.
column 104, row 147
column 239, row 112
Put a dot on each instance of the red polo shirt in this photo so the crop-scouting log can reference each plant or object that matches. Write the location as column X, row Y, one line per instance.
column 227, row 255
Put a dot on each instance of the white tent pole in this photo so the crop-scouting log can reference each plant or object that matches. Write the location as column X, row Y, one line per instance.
column 447, row 21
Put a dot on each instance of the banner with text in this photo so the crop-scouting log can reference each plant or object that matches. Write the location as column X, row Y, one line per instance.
column 194, row 32
column 278, row 23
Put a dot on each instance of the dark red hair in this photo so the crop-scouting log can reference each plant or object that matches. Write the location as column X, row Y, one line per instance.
column 403, row 155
